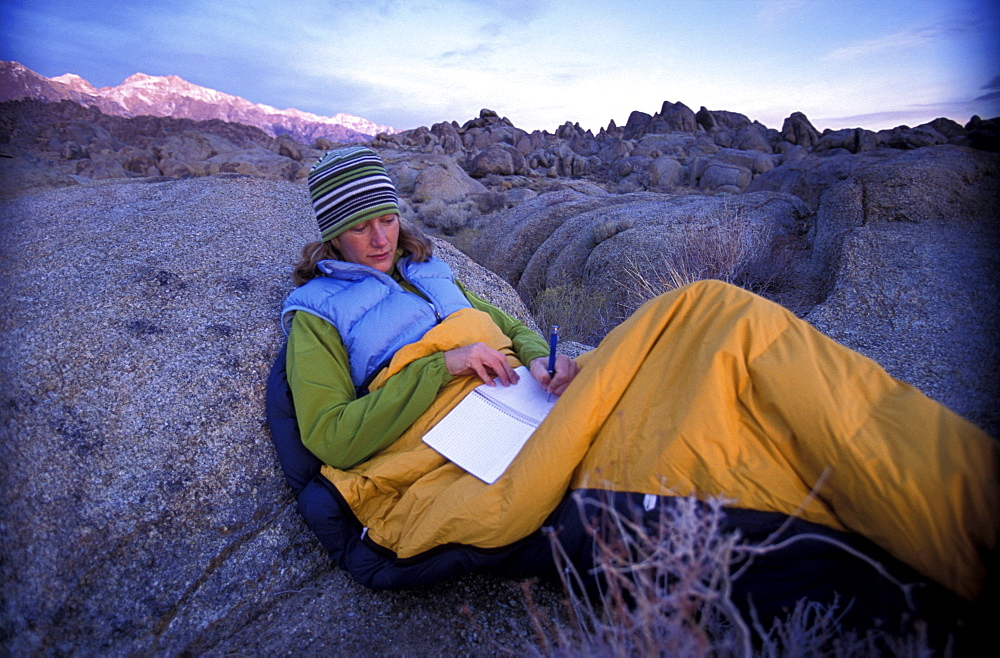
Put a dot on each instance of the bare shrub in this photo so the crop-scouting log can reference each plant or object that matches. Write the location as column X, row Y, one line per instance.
column 490, row 202
column 446, row 217
column 665, row 590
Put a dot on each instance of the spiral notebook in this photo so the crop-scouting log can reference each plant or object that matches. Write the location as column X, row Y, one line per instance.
column 486, row 430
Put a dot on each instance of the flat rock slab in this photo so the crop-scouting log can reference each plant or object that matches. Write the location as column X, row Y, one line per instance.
column 143, row 507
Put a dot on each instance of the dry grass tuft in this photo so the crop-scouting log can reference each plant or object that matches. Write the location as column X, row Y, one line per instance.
column 736, row 250
column 582, row 315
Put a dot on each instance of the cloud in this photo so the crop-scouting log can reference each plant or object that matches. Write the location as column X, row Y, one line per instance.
column 993, row 86
column 492, row 29
column 900, row 41
column 465, row 54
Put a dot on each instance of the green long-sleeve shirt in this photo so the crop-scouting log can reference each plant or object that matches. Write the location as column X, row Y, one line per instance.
column 342, row 429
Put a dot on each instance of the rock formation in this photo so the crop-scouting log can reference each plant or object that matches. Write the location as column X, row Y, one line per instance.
column 605, row 248
column 910, row 254
column 676, row 150
column 143, row 508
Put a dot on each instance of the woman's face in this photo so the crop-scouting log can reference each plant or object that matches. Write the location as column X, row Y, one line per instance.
column 371, row 243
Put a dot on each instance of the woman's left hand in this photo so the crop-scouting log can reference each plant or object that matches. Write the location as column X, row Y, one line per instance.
column 566, row 371
column 481, row 360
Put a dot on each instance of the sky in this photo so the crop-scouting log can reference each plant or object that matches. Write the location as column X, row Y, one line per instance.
column 844, row 63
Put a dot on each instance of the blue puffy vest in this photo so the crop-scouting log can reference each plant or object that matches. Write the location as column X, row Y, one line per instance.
column 374, row 315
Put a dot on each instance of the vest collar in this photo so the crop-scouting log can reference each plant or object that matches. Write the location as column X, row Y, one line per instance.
column 339, row 269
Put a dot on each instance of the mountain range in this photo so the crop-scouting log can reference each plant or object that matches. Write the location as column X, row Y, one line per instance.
column 172, row 96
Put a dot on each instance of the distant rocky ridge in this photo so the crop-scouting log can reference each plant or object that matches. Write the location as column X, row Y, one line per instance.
column 55, row 144
column 171, row 96
column 678, row 150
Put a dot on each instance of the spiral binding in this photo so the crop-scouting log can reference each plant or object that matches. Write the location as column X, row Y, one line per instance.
column 508, row 411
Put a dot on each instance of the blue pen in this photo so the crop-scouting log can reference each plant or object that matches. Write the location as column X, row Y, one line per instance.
column 553, row 343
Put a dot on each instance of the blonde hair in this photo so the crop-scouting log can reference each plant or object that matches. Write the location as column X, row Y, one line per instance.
column 413, row 242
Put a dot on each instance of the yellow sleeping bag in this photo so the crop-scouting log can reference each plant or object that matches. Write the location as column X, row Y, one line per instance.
column 714, row 392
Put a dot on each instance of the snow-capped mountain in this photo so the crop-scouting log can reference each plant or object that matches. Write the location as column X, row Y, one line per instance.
column 142, row 94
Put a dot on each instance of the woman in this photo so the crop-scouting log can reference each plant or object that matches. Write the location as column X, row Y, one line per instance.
column 378, row 261
column 707, row 391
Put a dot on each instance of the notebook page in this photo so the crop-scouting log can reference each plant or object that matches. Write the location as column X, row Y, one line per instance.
column 484, row 432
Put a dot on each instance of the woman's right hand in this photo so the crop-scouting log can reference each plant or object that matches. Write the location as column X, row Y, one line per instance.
column 482, row 360
column 566, row 371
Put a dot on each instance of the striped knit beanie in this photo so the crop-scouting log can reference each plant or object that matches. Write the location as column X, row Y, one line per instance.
column 349, row 186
